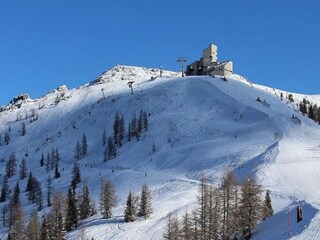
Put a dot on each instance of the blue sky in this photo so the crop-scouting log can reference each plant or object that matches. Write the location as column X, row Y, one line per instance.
column 47, row 43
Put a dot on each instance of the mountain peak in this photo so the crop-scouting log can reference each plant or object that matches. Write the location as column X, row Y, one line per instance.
column 123, row 72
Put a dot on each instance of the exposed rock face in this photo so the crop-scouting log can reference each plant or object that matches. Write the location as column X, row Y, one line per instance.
column 19, row 99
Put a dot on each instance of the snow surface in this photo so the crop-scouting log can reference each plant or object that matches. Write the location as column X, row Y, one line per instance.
column 199, row 124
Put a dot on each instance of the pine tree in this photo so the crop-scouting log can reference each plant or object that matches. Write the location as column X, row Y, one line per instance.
column 77, row 151
column 84, row 145
column 42, row 160
column 49, row 191
column 215, row 216
column 56, row 171
column 16, row 230
column 250, row 206
column 267, row 210
column 111, row 151
column 71, row 220
column 318, row 115
column 34, row 191
column 172, row 229
column 228, row 197
column 145, row 121
column 85, row 205
column 76, row 176
column 121, row 130
column 310, row 112
column 104, row 138
column 57, row 155
column 23, row 129
column 129, row 132
column 53, row 159
column 140, row 122
column 23, row 169
column 130, row 211
column 33, row 228
column 107, row 199
column 11, row 166
column 7, row 137
column 116, row 128
column 55, row 224
column 44, row 233
column 186, row 227
column 5, row 210
column 48, row 162
column 5, row 189
column 145, row 208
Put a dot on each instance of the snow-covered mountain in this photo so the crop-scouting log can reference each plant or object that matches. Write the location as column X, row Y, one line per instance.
column 198, row 124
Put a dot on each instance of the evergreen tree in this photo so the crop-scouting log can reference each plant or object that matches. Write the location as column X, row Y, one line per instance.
column 145, row 122
column 77, row 151
column 23, row 169
column 71, row 220
column 33, row 228
column 121, row 130
column 44, row 232
column 53, row 159
column 85, row 206
column 104, row 138
column 76, row 177
column 130, row 211
column 116, row 128
column 49, row 191
column 16, row 229
column 203, row 209
column 84, row 145
column 11, row 166
column 145, row 208
column 56, row 171
column 34, row 191
column 23, row 129
column 48, row 162
column 267, row 210
column 228, row 204
column 186, row 227
column 172, row 229
column 5, row 189
column 250, row 207
column 318, row 115
column 140, row 122
column 107, row 199
column 129, row 132
column 5, row 210
column 111, row 151
column 57, row 155
column 42, row 160
column 135, row 127
column 7, row 137
column 55, row 224
column 310, row 112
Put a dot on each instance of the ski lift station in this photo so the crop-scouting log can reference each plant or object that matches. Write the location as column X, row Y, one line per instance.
column 209, row 65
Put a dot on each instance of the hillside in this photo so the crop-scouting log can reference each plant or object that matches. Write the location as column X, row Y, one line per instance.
column 198, row 124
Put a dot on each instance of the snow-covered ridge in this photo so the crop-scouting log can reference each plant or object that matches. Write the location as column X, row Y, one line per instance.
column 121, row 72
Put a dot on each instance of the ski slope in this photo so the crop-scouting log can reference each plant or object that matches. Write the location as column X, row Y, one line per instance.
column 199, row 124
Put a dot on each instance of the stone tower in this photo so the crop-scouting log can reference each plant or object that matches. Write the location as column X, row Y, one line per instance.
column 210, row 56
